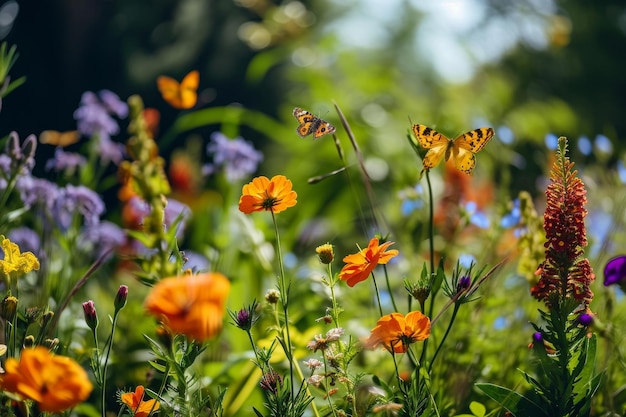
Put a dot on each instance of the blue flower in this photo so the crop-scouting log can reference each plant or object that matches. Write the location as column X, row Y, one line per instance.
column 512, row 218
column 236, row 157
column 476, row 217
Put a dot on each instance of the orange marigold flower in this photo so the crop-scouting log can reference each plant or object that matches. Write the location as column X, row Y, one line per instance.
column 192, row 305
column 360, row 265
column 56, row 383
column 273, row 195
column 398, row 332
column 138, row 407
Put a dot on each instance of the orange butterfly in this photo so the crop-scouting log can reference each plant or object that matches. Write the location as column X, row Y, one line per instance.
column 461, row 149
column 56, row 138
column 181, row 95
column 311, row 124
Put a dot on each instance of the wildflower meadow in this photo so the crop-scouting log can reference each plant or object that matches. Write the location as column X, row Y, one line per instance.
column 329, row 234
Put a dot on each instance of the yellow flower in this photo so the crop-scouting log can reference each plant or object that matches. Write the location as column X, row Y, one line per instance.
column 138, row 407
column 326, row 253
column 360, row 265
column 398, row 332
column 56, row 383
column 14, row 260
column 192, row 305
column 273, row 195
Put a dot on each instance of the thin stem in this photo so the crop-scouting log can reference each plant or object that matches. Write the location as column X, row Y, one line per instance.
column 284, row 288
column 445, row 335
column 380, row 306
column 331, row 284
column 109, row 346
column 393, row 300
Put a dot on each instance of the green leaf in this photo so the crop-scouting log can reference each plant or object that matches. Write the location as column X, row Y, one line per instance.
column 477, row 409
column 516, row 403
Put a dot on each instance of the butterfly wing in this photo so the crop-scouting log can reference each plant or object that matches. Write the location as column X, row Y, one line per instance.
column 181, row 95
column 306, row 120
column 466, row 145
column 436, row 143
column 189, row 90
column 56, row 138
column 323, row 128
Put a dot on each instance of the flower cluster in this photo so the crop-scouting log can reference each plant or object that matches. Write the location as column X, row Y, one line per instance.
column 564, row 273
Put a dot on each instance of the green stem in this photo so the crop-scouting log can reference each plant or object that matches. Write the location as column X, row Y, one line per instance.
column 393, row 300
column 443, row 339
column 109, row 346
column 284, row 288
column 380, row 306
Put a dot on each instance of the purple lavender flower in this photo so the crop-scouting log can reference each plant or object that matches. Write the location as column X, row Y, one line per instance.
column 78, row 199
column 105, row 236
column 65, row 161
column 236, row 157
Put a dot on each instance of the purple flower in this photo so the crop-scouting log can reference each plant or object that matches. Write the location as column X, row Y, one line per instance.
column 615, row 271
column 175, row 211
column 78, row 199
column 27, row 239
column 105, row 236
column 94, row 118
column 110, row 151
column 195, row 261
column 113, row 103
column 236, row 157
column 65, row 161
column 37, row 191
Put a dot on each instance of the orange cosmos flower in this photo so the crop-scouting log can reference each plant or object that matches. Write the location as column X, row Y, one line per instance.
column 360, row 265
column 192, row 305
column 273, row 195
column 138, row 407
column 397, row 331
column 56, row 383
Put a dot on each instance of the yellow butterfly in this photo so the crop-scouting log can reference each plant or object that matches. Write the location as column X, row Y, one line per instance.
column 56, row 138
column 461, row 149
column 181, row 95
column 311, row 124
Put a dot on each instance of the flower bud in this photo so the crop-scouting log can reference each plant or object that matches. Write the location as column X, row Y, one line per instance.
column 29, row 341
column 325, row 253
column 91, row 317
column 8, row 308
column 120, row 298
column 272, row 296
